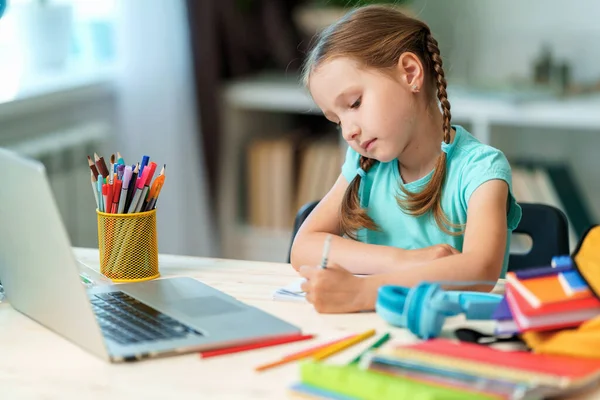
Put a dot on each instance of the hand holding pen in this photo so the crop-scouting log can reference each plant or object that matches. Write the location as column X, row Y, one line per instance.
column 326, row 247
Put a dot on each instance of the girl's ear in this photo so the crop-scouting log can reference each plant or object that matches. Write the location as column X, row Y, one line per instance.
column 411, row 71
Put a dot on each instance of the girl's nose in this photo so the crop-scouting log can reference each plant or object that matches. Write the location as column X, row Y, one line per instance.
column 350, row 133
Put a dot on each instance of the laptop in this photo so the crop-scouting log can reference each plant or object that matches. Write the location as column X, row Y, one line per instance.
column 117, row 322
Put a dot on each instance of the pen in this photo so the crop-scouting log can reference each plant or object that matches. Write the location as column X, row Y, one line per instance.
column 109, row 198
column 95, row 188
column 124, row 188
column 120, row 170
column 326, row 247
column 120, row 159
column 143, row 164
column 131, row 186
column 158, row 182
column 155, row 190
column 138, row 191
column 151, row 169
column 99, row 193
column 115, row 196
column 112, row 168
column 106, row 202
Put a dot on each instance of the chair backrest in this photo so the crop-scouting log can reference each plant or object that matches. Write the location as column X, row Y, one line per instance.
column 300, row 218
column 546, row 225
column 548, row 228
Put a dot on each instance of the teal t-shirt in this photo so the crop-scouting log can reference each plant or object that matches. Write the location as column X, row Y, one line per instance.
column 469, row 164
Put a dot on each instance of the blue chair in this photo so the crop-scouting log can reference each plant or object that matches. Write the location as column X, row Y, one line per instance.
column 546, row 225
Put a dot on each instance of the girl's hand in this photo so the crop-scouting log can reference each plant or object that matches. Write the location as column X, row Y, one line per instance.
column 334, row 290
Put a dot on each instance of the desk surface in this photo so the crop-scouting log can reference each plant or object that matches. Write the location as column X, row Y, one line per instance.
column 36, row 363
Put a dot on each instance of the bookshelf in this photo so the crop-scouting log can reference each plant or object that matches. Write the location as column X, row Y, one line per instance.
column 268, row 105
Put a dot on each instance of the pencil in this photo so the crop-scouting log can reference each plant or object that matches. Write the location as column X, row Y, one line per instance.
column 313, row 350
column 93, row 167
column 252, row 346
column 336, row 348
column 101, row 165
column 326, row 246
column 374, row 346
column 299, row 355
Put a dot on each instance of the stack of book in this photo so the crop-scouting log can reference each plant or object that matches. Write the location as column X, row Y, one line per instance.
column 445, row 369
column 286, row 172
column 544, row 299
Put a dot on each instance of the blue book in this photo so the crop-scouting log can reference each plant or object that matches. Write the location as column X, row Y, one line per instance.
column 542, row 271
column 502, row 312
column 572, row 282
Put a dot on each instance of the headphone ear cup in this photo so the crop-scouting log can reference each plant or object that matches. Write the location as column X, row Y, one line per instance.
column 391, row 304
column 423, row 318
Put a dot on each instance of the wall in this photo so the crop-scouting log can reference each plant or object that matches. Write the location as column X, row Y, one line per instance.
column 491, row 42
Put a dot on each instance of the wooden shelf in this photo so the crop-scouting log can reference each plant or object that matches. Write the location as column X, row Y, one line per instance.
column 266, row 103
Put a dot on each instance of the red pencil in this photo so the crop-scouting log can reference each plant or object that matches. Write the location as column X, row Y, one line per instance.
column 252, row 346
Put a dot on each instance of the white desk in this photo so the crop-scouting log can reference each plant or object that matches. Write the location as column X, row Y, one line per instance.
column 36, row 363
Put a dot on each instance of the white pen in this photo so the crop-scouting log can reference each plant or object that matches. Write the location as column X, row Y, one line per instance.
column 326, row 247
column 138, row 192
column 126, row 180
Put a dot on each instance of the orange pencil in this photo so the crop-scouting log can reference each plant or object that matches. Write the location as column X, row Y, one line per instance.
column 313, row 350
column 302, row 354
column 336, row 348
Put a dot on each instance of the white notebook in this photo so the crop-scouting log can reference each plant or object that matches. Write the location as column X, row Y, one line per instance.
column 291, row 292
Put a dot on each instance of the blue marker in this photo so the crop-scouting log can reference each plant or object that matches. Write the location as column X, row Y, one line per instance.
column 145, row 160
column 562, row 261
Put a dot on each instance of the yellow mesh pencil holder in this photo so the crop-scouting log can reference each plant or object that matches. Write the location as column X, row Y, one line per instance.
column 128, row 246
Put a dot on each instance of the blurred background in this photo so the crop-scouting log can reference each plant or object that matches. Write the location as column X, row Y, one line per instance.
column 210, row 88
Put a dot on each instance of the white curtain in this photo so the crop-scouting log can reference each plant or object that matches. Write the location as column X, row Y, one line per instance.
column 158, row 118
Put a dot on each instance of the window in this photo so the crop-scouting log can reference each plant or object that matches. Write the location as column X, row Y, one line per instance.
column 49, row 43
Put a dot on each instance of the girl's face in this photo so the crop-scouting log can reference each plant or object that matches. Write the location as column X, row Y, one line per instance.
column 375, row 111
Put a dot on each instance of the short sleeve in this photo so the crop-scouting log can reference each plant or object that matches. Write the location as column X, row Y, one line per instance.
column 488, row 164
column 351, row 164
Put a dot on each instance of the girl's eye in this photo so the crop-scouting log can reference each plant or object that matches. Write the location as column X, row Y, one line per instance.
column 356, row 104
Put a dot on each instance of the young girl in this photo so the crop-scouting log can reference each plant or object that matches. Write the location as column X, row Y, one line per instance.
column 418, row 199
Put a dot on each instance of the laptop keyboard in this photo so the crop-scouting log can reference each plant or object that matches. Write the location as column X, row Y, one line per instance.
column 129, row 321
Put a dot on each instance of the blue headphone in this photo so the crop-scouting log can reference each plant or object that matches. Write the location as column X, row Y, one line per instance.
column 424, row 308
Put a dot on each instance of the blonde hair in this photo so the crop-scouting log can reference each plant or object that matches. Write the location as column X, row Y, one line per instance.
column 376, row 36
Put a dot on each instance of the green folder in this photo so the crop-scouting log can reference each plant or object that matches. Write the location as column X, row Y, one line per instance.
column 351, row 380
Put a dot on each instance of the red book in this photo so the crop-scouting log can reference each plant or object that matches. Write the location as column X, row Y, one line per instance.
column 550, row 316
column 554, row 370
column 255, row 345
column 543, row 290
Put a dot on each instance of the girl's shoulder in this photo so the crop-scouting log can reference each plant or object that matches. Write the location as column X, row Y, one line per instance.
column 467, row 153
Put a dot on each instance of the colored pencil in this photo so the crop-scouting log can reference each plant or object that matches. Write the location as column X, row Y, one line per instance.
column 299, row 355
column 374, row 346
column 336, row 348
column 313, row 350
column 253, row 346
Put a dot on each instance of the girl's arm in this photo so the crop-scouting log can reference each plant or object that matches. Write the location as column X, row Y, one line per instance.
column 336, row 290
column 356, row 257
